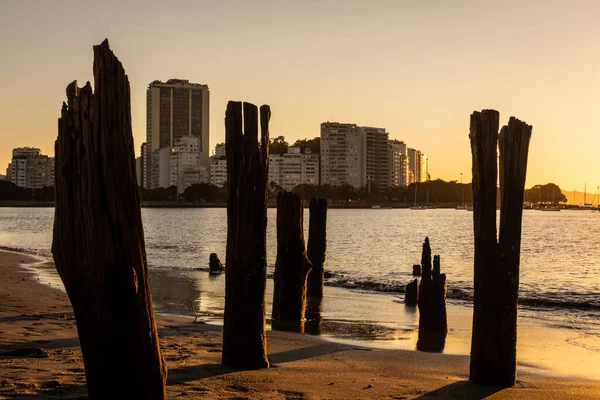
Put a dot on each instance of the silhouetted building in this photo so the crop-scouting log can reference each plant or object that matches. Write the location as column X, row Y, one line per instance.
column 418, row 167
column 143, row 175
column 377, row 160
column 354, row 155
column 343, row 155
column 220, row 151
column 218, row 172
column 174, row 109
column 294, row 168
column 30, row 169
column 398, row 163
column 185, row 168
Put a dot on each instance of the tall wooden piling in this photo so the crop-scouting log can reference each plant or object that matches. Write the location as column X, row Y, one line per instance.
column 496, row 283
column 317, row 245
column 98, row 242
column 292, row 265
column 244, row 330
column 433, row 321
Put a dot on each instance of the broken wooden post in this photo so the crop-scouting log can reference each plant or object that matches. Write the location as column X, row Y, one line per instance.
column 214, row 264
column 436, row 267
column 433, row 321
column 317, row 244
column 292, row 265
column 244, row 329
column 412, row 293
column 416, row 270
column 496, row 283
column 426, row 260
column 98, row 242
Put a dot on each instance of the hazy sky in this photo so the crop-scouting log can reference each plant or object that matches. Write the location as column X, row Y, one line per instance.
column 416, row 68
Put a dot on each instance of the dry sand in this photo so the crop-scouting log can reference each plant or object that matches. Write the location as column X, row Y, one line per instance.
column 37, row 321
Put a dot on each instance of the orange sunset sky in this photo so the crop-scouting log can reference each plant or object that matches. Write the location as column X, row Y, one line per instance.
column 416, row 68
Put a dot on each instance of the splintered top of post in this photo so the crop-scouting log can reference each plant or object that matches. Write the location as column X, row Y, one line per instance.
column 104, row 55
column 484, row 123
column 516, row 122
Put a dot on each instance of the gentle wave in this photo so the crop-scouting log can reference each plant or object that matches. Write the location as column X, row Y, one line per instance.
column 554, row 300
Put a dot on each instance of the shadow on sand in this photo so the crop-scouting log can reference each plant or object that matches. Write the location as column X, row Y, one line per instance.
column 465, row 390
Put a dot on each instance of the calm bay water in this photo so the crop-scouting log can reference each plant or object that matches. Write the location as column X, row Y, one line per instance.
column 373, row 249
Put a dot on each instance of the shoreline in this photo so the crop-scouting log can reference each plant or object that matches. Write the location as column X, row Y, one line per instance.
column 304, row 366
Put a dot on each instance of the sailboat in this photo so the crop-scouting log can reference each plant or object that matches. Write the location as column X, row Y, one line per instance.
column 552, row 208
column 463, row 206
column 586, row 206
column 416, row 207
column 427, row 205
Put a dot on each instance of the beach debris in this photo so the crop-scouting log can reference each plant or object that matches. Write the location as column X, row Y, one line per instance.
column 317, row 245
column 26, row 352
column 214, row 264
column 98, row 243
column 291, row 266
column 244, row 326
column 433, row 321
column 412, row 293
column 496, row 284
column 416, row 270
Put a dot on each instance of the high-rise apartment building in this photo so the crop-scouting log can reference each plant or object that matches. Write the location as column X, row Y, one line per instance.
column 143, row 166
column 418, row 166
column 174, row 109
column 354, row 155
column 343, row 154
column 294, row 168
column 424, row 170
column 30, row 169
column 398, row 162
column 377, row 160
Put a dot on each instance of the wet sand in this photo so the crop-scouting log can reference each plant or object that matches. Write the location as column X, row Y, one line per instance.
column 37, row 325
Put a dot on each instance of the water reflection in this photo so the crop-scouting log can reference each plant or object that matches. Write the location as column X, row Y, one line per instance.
column 314, row 319
column 432, row 342
column 187, row 292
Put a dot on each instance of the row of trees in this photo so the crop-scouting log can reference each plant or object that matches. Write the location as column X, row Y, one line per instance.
column 11, row 192
column 279, row 145
column 432, row 192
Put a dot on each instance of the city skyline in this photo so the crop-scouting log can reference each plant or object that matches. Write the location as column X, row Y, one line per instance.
column 416, row 68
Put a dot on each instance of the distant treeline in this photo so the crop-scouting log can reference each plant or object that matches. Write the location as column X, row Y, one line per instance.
column 11, row 192
column 437, row 191
column 432, row 192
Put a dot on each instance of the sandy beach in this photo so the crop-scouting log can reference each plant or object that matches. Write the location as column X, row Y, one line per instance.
column 40, row 358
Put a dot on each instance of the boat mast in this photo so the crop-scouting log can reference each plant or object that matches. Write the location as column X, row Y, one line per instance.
column 416, row 185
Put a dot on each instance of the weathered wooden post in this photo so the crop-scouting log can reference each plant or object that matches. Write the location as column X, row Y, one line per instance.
column 496, row 283
column 412, row 293
column 98, row 242
column 292, row 265
column 426, row 260
column 433, row 321
column 317, row 244
column 416, row 270
column 244, row 330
